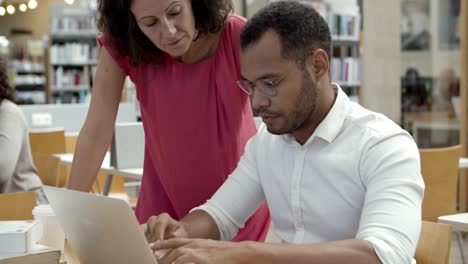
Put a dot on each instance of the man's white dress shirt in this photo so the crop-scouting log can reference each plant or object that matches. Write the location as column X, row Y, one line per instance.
column 358, row 176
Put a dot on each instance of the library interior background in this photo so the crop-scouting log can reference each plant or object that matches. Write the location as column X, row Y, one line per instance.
column 406, row 59
column 401, row 58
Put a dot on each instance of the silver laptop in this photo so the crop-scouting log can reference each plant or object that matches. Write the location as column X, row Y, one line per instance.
column 101, row 230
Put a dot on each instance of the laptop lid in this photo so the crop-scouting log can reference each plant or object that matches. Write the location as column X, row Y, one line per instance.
column 100, row 229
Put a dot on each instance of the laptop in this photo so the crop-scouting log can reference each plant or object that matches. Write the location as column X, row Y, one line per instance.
column 101, row 230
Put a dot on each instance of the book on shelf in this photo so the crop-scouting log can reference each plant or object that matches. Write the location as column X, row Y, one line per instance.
column 72, row 23
column 71, row 77
column 19, row 236
column 30, row 97
column 346, row 71
column 67, row 97
column 73, row 53
column 39, row 254
column 343, row 27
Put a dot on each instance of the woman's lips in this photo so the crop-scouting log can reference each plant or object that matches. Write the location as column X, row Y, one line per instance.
column 175, row 42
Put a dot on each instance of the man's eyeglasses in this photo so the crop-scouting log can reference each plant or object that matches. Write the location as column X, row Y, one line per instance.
column 267, row 87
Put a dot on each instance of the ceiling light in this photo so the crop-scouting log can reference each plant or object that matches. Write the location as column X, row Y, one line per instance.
column 2, row 11
column 32, row 4
column 70, row 2
column 10, row 9
column 23, row 7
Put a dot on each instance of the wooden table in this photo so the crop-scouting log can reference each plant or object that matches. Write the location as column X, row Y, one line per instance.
column 131, row 173
column 414, row 121
column 457, row 221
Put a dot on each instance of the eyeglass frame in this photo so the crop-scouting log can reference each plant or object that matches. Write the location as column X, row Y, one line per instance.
column 267, row 85
column 273, row 84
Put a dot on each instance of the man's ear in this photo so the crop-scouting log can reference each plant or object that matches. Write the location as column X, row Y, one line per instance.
column 317, row 63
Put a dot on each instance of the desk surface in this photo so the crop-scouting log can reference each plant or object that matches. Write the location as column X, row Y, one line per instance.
column 457, row 221
column 132, row 173
column 429, row 116
column 137, row 173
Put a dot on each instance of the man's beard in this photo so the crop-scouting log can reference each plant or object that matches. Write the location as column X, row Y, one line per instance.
column 303, row 109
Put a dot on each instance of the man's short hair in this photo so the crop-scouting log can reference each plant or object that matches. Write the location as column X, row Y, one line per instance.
column 300, row 27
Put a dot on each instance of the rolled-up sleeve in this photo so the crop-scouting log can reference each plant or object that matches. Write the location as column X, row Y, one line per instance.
column 391, row 216
column 238, row 198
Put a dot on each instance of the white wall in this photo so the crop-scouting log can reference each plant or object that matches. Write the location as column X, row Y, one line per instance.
column 381, row 58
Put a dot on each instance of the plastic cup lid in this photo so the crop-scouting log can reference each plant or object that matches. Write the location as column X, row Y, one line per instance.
column 43, row 209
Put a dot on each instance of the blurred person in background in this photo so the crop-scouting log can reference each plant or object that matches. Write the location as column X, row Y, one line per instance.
column 17, row 171
column 447, row 87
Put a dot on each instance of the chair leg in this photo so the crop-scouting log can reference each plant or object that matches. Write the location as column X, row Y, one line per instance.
column 460, row 245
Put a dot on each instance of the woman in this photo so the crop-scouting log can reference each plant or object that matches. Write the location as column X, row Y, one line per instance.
column 17, row 171
column 183, row 56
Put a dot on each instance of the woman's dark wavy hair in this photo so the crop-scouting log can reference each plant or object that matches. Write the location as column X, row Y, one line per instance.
column 117, row 21
column 6, row 91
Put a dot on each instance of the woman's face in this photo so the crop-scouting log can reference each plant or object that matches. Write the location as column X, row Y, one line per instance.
column 169, row 24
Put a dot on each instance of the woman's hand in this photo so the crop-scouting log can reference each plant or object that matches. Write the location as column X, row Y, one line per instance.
column 163, row 227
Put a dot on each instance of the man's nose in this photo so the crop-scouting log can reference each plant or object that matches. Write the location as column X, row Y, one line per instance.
column 258, row 100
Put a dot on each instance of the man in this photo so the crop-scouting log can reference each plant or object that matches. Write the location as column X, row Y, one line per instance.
column 343, row 184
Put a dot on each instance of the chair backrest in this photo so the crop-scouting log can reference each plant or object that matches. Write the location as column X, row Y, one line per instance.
column 49, row 141
column 117, row 188
column 439, row 168
column 48, row 168
column 17, row 206
column 70, row 142
column 434, row 243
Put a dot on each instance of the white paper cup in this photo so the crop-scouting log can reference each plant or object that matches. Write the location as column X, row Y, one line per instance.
column 52, row 235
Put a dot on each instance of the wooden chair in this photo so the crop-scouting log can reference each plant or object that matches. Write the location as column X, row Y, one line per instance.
column 434, row 243
column 17, row 206
column 70, row 143
column 43, row 144
column 48, row 141
column 439, row 168
column 48, row 168
column 117, row 188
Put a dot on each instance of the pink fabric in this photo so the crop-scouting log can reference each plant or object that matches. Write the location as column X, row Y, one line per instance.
column 196, row 122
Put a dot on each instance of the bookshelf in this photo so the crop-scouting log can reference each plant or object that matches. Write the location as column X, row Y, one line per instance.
column 72, row 54
column 26, row 70
column 29, row 80
column 345, row 66
column 344, row 22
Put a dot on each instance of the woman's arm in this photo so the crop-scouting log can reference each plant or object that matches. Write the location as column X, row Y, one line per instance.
column 96, row 135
